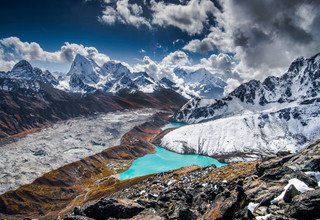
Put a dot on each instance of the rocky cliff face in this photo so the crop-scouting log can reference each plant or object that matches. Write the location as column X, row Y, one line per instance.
column 281, row 187
column 300, row 83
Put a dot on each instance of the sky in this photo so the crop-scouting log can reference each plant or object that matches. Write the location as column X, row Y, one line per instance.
column 233, row 39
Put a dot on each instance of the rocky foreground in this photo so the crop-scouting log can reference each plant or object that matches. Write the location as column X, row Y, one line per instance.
column 285, row 186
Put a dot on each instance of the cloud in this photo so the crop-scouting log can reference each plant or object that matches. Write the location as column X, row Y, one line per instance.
column 232, row 84
column 264, row 36
column 176, row 58
column 191, row 17
column 4, row 63
column 177, row 41
column 124, row 12
column 12, row 49
column 201, row 46
column 165, row 67
column 221, row 61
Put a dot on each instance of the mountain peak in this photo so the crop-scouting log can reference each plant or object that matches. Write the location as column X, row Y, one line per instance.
column 80, row 58
column 22, row 65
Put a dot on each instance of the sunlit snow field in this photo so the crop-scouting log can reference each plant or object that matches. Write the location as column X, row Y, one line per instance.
column 29, row 157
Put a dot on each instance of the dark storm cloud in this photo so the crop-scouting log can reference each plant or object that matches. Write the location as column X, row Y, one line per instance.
column 264, row 35
column 278, row 17
column 293, row 31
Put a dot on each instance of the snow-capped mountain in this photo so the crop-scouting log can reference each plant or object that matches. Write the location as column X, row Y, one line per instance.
column 24, row 71
column 256, row 119
column 202, row 82
column 111, row 77
column 299, row 83
column 114, row 77
column 84, row 74
column 26, row 79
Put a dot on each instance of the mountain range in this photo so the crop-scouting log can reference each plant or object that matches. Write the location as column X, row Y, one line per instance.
column 256, row 119
column 85, row 75
column 31, row 98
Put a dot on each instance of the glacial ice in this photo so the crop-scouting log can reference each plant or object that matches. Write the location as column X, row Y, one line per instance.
column 24, row 159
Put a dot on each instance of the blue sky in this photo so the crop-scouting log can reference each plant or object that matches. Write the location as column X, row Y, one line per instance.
column 51, row 23
column 231, row 38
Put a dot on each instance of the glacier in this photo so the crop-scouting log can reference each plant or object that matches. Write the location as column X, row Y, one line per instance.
column 26, row 158
column 256, row 120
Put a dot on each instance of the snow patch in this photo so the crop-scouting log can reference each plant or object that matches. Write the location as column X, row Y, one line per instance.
column 298, row 184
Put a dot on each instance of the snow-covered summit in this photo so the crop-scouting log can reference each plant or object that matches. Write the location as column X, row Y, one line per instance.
column 87, row 76
column 257, row 119
column 300, row 82
column 116, row 69
column 26, row 79
column 84, row 73
column 23, row 70
column 204, row 83
column 111, row 77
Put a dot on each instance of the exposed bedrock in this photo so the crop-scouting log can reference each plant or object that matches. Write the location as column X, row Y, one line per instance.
column 278, row 187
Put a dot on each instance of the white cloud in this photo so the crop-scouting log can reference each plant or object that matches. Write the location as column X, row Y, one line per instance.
column 190, row 17
column 12, row 49
column 197, row 45
column 265, row 36
column 110, row 15
column 221, row 61
column 176, row 58
column 177, row 41
column 123, row 12
column 158, row 70
column 232, row 84
column 5, row 64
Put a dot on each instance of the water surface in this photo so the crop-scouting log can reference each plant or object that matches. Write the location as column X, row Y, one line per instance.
column 172, row 125
column 163, row 160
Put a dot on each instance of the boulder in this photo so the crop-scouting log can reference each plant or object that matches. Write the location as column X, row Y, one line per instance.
column 272, row 163
column 311, row 181
column 226, row 205
column 313, row 165
column 290, row 193
column 113, row 208
column 186, row 214
column 276, row 173
column 305, row 205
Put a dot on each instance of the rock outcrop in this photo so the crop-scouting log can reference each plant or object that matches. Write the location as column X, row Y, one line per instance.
column 274, row 188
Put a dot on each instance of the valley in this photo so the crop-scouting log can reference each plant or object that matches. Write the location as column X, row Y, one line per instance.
column 26, row 158
column 88, row 145
column 160, row 110
column 58, row 191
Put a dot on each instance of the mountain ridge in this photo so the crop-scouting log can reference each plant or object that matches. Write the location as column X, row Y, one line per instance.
column 256, row 119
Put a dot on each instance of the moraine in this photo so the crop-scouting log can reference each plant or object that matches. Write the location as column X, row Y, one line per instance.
column 26, row 158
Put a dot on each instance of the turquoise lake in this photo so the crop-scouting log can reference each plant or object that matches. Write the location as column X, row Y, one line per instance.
column 172, row 125
column 163, row 160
